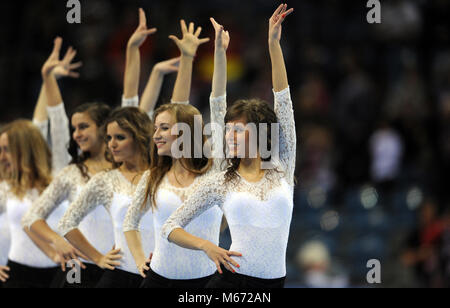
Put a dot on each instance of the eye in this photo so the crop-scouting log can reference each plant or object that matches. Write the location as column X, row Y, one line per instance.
column 108, row 138
column 84, row 126
column 121, row 137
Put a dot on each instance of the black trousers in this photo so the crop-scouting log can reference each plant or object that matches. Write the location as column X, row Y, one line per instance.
column 89, row 278
column 153, row 280
column 119, row 279
column 228, row 280
column 22, row 276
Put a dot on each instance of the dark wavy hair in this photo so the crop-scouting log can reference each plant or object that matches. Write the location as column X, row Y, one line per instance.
column 138, row 124
column 99, row 113
column 254, row 111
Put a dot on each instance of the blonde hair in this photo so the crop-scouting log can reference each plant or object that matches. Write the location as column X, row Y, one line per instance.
column 30, row 157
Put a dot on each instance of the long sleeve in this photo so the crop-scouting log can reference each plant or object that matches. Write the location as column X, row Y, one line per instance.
column 60, row 136
column 130, row 102
column 135, row 211
column 288, row 136
column 43, row 128
column 207, row 193
column 2, row 198
column 218, row 107
column 96, row 192
column 59, row 190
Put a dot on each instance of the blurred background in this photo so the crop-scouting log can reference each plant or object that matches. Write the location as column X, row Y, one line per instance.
column 372, row 107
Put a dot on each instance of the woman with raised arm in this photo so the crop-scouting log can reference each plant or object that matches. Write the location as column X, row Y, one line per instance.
column 256, row 201
column 87, row 149
column 127, row 135
column 27, row 164
column 169, row 182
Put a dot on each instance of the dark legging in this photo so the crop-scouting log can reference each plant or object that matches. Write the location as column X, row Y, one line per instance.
column 228, row 280
column 119, row 279
column 89, row 278
column 153, row 280
column 22, row 276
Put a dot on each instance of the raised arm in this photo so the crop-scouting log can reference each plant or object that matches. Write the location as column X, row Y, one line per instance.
column 94, row 194
column 59, row 123
column 65, row 68
column 154, row 84
column 283, row 101
column 218, row 101
column 131, row 224
column 188, row 46
column 133, row 62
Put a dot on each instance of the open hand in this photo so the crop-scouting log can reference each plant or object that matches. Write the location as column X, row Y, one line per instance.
column 142, row 32
column 188, row 45
column 168, row 66
column 110, row 260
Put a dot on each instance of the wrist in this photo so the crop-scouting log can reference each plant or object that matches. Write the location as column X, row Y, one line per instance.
column 188, row 57
column 204, row 245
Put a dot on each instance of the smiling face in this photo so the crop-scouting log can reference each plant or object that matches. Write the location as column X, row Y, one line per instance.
column 120, row 143
column 85, row 133
column 5, row 154
column 237, row 138
column 162, row 137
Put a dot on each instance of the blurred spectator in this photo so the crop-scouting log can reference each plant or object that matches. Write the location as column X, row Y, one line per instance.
column 315, row 164
column 423, row 246
column 314, row 260
column 401, row 20
column 386, row 149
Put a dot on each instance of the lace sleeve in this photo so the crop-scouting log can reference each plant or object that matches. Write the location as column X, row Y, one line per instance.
column 2, row 198
column 208, row 192
column 130, row 102
column 288, row 136
column 53, row 195
column 96, row 192
column 135, row 211
column 43, row 128
column 218, row 106
column 60, row 136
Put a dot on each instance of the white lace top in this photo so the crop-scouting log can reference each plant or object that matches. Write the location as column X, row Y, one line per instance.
column 22, row 249
column 258, row 214
column 59, row 137
column 112, row 191
column 4, row 230
column 169, row 260
column 96, row 226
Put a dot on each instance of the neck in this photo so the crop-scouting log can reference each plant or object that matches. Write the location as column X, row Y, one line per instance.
column 250, row 165
column 98, row 156
column 135, row 165
column 178, row 168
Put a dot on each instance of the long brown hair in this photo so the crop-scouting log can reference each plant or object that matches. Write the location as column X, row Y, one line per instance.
column 30, row 156
column 98, row 112
column 138, row 124
column 254, row 111
column 160, row 165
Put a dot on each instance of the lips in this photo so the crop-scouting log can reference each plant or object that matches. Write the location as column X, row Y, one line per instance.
column 160, row 144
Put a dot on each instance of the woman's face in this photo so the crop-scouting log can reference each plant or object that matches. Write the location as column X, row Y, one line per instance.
column 237, row 139
column 85, row 133
column 120, row 143
column 162, row 137
column 5, row 154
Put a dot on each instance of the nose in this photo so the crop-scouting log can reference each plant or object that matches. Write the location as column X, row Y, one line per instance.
column 76, row 134
column 112, row 143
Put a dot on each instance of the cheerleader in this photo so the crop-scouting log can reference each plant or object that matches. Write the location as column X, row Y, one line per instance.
column 87, row 150
column 27, row 164
column 127, row 131
column 170, row 181
column 257, row 203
